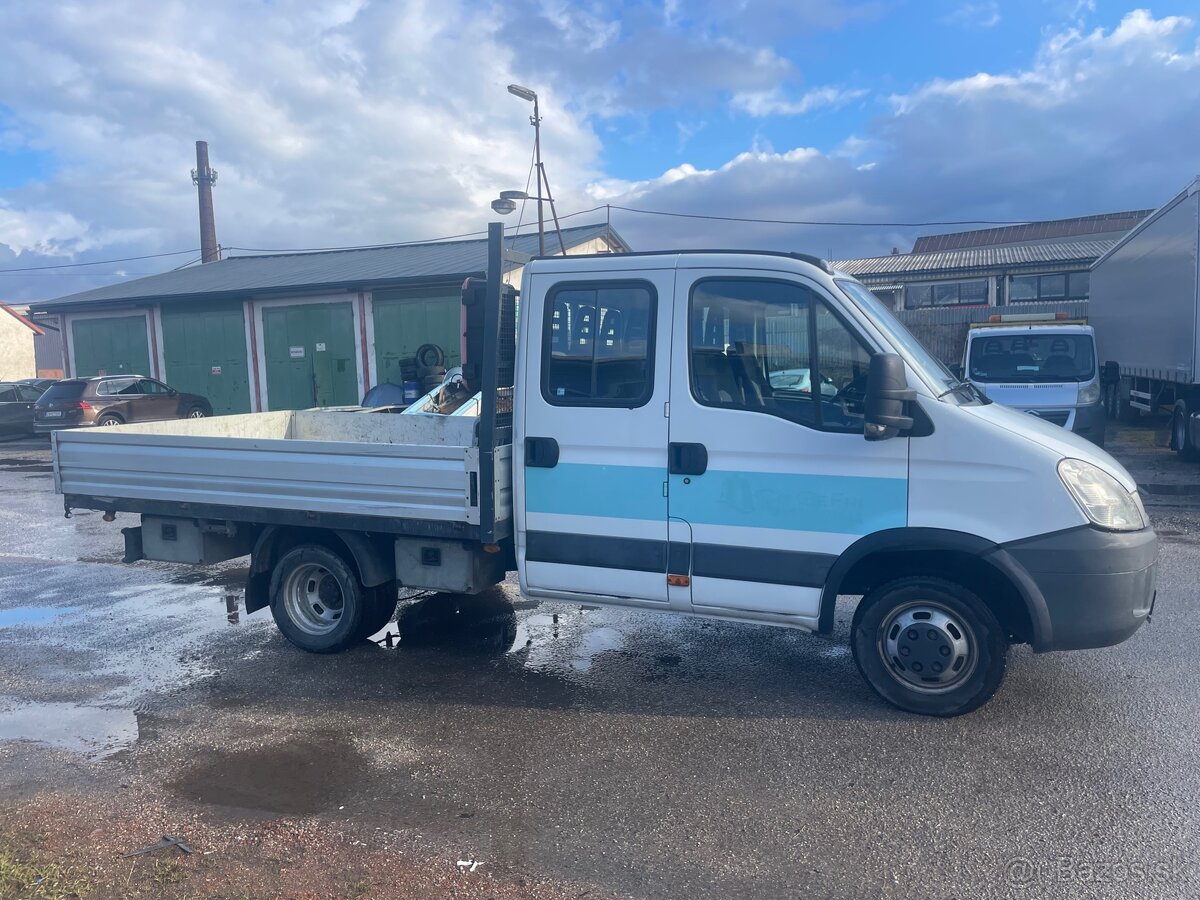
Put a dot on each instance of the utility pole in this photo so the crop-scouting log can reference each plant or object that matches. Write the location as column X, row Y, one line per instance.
column 204, row 177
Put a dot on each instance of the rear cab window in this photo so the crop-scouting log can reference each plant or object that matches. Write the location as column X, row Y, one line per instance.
column 598, row 344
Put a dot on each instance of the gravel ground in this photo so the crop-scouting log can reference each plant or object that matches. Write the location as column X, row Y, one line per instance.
column 564, row 752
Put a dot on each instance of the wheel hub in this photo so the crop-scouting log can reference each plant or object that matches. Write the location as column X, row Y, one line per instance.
column 927, row 647
column 313, row 599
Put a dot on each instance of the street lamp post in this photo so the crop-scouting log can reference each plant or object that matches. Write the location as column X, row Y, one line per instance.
column 506, row 204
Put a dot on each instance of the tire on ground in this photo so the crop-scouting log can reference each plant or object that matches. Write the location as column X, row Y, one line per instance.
column 984, row 635
column 317, row 600
column 1181, row 441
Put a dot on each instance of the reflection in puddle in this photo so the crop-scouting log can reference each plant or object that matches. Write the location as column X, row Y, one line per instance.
column 96, row 731
column 32, row 615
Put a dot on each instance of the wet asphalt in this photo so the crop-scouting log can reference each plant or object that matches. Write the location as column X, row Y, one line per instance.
column 643, row 754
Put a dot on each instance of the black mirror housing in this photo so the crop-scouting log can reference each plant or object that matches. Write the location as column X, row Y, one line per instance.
column 888, row 394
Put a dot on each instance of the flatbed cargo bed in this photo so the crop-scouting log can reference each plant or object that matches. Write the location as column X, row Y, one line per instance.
column 377, row 472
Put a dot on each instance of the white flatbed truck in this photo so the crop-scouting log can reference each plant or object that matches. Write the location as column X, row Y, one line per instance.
column 632, row 448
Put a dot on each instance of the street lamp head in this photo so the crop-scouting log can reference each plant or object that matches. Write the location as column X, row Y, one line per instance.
column 503, row 206
column 523, row 92
column 514, row 195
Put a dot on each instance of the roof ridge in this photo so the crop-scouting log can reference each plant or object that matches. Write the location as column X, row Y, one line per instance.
column 431, row 243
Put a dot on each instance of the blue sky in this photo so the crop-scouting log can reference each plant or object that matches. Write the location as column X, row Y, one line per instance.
column 340, row 122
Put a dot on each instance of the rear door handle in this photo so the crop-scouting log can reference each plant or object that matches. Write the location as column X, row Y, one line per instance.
column 687, row 459
column 541, row 452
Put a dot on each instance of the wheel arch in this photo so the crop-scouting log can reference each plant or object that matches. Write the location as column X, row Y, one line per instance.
column 971, row 560
column 372, row 556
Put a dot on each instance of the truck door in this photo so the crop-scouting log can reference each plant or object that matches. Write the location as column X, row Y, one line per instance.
column 768, row 464
column 593, row 463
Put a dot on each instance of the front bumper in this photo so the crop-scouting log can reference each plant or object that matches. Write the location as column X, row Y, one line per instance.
column 1097, row 587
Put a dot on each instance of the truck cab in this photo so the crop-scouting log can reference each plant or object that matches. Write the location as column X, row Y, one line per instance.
column 1040, row 366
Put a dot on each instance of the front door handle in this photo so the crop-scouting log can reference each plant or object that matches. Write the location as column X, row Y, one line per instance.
column 541, row 452
column 687, row 459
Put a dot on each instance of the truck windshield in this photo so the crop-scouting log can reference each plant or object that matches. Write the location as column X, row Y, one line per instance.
column 1031, row 358
column 913, row 351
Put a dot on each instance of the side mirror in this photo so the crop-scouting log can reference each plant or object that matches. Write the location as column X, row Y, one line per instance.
column 957, row 371
column 887, row 397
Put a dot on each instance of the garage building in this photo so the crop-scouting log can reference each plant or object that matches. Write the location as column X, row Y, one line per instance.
column 288, row 331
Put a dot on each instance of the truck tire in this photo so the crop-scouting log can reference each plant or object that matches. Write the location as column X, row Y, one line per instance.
column 929, row 646
column 1181, row 439
column 430, row 356
column 317, row 600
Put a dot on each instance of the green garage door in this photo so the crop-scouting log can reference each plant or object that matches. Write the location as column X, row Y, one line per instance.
column 310, row 354
column 404, row 320
column 110, row 346
column 205, row 353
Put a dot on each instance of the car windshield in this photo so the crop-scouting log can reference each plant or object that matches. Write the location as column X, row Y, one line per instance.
column 1031, row 358
column 65, row 390
column 928, row 366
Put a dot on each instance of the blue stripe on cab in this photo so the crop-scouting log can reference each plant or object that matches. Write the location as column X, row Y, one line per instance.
column 577, row 489
column 839, row 504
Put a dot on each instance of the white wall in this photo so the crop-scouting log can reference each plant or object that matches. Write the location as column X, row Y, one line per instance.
column 16, row 348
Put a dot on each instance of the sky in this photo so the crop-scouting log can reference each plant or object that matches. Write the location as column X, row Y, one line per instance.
column 348, row 122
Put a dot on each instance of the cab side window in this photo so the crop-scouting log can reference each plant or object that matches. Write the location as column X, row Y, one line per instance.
column 29, row 393
column 146, row 386
column 598, row 344
column 776, row 347
column 8, row 395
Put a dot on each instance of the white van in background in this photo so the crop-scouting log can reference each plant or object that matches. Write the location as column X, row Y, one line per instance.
column 1041, row 365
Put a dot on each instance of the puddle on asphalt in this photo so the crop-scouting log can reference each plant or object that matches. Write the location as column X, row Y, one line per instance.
column 95, row 731
column 32, row 615
column 298, row 777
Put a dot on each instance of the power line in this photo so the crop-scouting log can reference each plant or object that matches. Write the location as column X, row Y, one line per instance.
column 101, row 262
column 75, row 274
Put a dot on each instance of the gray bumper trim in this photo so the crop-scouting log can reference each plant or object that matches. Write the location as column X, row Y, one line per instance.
column 1097, row 586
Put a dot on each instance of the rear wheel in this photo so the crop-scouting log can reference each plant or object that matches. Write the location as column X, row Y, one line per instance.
column 109, row 421
column 1181, row 439
column 197, row 412
column 317, row 600
column 929, row 646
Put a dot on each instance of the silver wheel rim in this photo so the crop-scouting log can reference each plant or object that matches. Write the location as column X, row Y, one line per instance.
column 196, row 414
column 109, row 423
column 313, row 599
column 927, row 647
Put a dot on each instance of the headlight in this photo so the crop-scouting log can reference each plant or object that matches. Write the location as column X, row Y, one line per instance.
column 1089, row 393
column 1100, row 496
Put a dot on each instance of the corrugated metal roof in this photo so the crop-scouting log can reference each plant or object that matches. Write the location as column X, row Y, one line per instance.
column 1082, row 252
column 1031, row 231
column 327, row 269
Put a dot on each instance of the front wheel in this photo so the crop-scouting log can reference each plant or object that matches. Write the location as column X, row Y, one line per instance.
column 197, row 412
column 929, row 646
column 317, row 600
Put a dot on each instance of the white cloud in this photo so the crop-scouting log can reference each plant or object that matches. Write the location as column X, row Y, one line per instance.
column 980, row 14
column 761, row 104
column 1099, row 121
